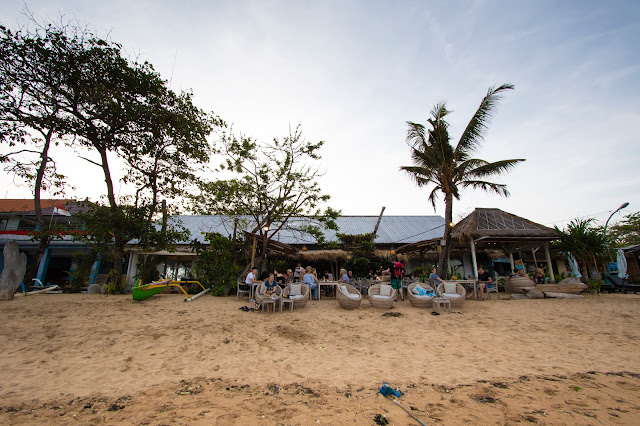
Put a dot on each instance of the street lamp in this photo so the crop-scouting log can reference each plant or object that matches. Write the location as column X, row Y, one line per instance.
column 624, row 205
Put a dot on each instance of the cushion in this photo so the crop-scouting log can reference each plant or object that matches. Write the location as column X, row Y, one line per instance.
column 385, row 290
column 343, row 289
column 450, row 288
column 416, row 289
column 296, row 297
column 377, row 296
column 295, row 290
column 451, row 295
column 354, row 296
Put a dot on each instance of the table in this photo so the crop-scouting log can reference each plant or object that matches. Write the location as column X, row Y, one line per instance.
column 326, row 283
column 286, row 300
column 265, row 301
column 441, row 301
column 463, row 282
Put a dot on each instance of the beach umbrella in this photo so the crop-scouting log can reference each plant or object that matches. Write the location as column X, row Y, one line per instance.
column 573, row 264
column 622, row 265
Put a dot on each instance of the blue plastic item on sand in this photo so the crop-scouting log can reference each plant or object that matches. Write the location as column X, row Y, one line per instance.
column 386, row 390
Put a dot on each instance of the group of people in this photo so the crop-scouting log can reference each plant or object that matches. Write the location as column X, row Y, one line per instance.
column 308, row 276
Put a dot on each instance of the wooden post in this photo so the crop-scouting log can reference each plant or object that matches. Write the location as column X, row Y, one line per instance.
column 552, row 277
column 535, row 261
column 513, row 265
column 253, row 251
column 473, row 258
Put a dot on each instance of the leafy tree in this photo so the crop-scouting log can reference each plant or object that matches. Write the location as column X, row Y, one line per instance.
column 362, row 250
column 104, row 226
column 586, row 242
column 451, row 168
column 217, row 265
column 275, row 186
column 627, row 231
column 31, row 72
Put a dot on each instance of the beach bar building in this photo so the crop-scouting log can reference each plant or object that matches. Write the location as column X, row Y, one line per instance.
column 495, row 231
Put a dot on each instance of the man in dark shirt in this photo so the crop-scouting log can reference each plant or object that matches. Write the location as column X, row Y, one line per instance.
column 484, row 278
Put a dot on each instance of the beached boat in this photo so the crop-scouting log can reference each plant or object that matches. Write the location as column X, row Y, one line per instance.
column 144, row 291
column 141, row 292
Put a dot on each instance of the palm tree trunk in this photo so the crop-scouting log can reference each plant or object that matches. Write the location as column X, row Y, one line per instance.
column 448, row 218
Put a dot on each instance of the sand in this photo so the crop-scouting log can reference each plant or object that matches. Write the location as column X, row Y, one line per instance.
column 91, row 359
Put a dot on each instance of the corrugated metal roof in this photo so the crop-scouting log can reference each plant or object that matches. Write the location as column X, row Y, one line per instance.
column 392, row 230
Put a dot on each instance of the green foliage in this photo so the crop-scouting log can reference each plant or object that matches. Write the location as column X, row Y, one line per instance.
column 84, row 262
column 362, row 250
column 449, row 169
column 147, row 268
column 217, row 266
column 595, row 286
column 109, row 229
column 586, row 242
column 276, row 184
column 626, row 232
column 63, row 81
column 417, row 271
column 559, row 277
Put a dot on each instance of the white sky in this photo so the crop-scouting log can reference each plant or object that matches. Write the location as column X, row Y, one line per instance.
column 353, row 72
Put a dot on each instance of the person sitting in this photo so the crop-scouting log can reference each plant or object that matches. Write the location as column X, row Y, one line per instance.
column 484, row 278
column 308, row 279
column 270, row 290
column 279, row 277
column 538, row 277
column 252, row 278
column 328, row 276
column 288, row 278
column 433, row 276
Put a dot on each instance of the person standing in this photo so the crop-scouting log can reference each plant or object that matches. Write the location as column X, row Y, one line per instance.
column 396, row 277
column 297, row 273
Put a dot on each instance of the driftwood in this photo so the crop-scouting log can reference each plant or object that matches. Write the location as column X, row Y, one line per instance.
column 573, row 288
column 555, row 295
column 15, row 265
column 529, row 293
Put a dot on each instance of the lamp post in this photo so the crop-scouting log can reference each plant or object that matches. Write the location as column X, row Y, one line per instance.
column 624, row 205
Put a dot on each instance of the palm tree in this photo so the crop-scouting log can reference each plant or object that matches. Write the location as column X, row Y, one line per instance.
column 586, row 242
column 450, row 169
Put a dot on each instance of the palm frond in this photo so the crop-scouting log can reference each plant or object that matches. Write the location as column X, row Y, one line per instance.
column 477, row 127
column 415, row 134
column 498, row 188
column 496, row 168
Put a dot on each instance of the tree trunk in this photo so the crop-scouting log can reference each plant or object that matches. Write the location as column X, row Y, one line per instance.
column 15, row 265
column 448, row 218
column 45, row 228
column 118, row 255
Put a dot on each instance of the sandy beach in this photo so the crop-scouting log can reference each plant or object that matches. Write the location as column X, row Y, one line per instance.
column 91, row 359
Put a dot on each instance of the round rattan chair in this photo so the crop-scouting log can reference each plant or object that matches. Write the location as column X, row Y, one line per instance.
column 347, row 302
column 377, row 301
column 419, row 301
column 259, row 297
column 456, row 302
column 516, row 284
column 299, row 301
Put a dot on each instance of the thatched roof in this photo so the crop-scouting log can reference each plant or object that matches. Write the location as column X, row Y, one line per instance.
column 490, row 227
column 500, row 225
column 323, row 255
